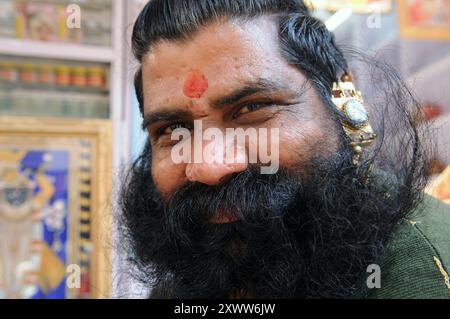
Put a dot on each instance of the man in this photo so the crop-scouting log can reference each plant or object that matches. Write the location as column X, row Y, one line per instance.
column 346, row 197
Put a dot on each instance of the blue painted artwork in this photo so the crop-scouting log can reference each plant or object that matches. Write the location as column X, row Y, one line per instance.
column 34, row 201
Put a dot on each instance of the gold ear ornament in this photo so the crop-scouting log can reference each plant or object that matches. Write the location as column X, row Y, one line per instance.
column 356, row 118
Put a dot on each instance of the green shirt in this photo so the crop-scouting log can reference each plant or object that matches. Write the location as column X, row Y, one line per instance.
column 416, row 262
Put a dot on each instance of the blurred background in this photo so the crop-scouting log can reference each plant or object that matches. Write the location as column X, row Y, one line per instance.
column 69, row 123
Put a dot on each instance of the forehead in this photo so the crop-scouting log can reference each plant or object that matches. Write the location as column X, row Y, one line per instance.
column 227, row 53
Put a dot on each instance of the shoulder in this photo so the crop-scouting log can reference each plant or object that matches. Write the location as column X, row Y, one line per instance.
column 416, row 262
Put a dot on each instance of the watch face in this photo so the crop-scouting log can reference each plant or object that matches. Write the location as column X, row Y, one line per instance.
column 356, row 112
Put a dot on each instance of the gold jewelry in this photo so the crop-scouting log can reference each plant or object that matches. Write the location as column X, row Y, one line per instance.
column 356, row 119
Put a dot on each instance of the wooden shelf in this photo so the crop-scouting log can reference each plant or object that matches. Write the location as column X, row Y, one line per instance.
column 51, row 50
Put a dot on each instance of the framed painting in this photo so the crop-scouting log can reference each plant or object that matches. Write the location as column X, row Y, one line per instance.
column 424, row 19
column 55, row 215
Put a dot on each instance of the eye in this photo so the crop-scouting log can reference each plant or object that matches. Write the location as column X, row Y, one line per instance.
column 167, row 130
column 248, row 108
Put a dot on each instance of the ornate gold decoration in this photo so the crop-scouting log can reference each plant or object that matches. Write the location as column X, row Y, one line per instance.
column 91, row 174
column 442, row 271
column 356, row 119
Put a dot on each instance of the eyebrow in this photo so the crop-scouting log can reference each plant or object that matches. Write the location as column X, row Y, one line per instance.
column 261, row 85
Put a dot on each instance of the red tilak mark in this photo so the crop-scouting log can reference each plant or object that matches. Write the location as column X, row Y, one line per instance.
column 195, row 85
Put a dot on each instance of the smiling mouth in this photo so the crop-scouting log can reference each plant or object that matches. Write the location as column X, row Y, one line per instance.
column 221, row 218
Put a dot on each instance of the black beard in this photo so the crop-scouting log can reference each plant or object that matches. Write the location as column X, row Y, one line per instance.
column 298, row 236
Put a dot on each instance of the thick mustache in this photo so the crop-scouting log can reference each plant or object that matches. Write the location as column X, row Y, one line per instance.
column 248, row 196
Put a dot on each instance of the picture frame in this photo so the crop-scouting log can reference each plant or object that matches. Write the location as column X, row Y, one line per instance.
column 55, row 212
column 424, row 20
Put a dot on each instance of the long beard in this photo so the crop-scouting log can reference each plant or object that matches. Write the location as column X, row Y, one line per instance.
column 297, row 236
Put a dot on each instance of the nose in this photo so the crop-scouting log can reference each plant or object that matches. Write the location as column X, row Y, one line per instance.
column 218, row 163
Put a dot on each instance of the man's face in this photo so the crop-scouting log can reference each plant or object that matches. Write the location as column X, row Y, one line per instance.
column 240, row 80
column 219, row 229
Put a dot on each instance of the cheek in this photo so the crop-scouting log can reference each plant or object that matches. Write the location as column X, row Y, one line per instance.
column 167, row 176
column 301, row 141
